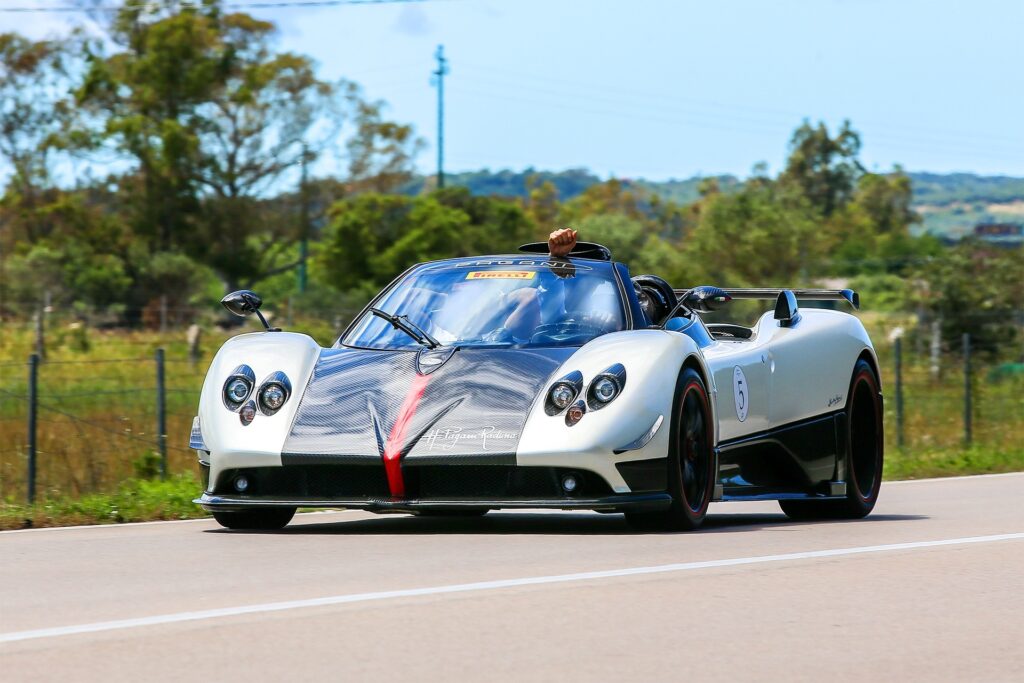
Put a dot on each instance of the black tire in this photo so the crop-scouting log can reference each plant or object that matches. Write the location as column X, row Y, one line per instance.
column 263, row 519
column 865, row 449
column 691, row 460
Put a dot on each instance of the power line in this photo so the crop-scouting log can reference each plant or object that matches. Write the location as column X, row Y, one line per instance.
column 279, row 4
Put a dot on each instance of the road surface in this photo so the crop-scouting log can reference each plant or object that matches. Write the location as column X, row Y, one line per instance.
column 929, row 587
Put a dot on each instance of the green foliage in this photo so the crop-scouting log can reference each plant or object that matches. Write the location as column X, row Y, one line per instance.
column 978, row 289
column 825, row 169
column 136, row 500
column 951, row 462
column 373, row 237
column 882, row 291
column 763, row 235
column 635, row 243
column 381, row 152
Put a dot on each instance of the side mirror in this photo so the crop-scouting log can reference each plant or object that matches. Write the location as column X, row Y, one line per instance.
column 243, row 303
column 786, row 311
column 706, row 298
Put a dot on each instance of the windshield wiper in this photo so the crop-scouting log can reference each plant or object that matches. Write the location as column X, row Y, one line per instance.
column 402, row 322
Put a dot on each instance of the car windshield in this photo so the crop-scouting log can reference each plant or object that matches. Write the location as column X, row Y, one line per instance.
column 495, row 302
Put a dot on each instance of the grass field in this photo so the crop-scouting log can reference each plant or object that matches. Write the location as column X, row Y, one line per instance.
column 97, row 422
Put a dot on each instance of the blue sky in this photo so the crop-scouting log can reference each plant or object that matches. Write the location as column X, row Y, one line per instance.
column 659, row 89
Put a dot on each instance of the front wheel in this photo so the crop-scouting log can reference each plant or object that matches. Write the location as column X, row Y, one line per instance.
column 266, row 519
column 865, row 452
column 691, row 460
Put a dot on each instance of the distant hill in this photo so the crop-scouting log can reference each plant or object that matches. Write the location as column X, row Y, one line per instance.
column 950, row 204
column 933, row 188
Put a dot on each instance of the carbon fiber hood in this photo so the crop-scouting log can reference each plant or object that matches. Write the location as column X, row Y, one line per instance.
column 473, row 407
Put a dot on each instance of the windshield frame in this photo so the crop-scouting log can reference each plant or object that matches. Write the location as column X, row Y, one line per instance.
column 623, row 301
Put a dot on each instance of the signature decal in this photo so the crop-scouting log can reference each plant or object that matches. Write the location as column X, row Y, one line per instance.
column 835, row 400
column 449, row 438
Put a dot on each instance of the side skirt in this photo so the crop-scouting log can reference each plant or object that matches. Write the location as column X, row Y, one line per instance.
column 804, row 459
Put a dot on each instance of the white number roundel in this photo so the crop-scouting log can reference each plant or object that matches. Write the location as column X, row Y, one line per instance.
column 740, row 392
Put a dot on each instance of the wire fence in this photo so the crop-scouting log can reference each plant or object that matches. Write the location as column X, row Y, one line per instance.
column 72, row 426
column 77, row 427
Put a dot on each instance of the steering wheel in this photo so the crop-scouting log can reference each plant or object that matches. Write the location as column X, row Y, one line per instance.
column 563, row 328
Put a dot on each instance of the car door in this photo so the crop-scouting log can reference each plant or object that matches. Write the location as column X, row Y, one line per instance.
column 743, row 384
column 803, row 396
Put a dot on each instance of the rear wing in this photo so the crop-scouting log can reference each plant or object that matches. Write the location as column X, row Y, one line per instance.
column 772, row 293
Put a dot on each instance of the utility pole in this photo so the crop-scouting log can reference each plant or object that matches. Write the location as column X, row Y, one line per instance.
column 439, row 74
column 303, row 223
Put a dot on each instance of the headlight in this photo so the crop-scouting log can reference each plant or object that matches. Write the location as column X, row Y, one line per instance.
column 238, row 387
column 274, row 392
column 606, row 387
column 563, row 392
column 238, row 390
column 272, row 397
column 562, row 395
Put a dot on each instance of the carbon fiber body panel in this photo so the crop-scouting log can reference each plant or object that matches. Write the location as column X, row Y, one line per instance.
column 472, row 408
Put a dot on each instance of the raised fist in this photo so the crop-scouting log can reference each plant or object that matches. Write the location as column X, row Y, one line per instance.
column 561, row 242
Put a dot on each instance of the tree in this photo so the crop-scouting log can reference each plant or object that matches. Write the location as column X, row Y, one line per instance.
column 763, row 235
column 978, row 289
column 542, row 202
column 381, row 153
column 373, row 237
column 213, row 118
column 824, row 168
column 34, row 83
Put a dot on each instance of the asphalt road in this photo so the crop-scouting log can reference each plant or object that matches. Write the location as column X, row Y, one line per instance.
column 929, row 587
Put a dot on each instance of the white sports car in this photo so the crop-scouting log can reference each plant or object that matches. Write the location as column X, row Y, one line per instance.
column 526, row 381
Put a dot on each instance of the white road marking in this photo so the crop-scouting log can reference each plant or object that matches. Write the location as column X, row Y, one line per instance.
column 201, row 615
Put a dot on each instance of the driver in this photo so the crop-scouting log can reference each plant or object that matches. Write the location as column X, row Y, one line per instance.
column 518, row 312
column 526, row 313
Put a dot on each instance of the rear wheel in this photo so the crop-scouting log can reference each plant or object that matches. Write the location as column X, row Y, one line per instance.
column 691, row 460
column 267, row 519
column 865, row 454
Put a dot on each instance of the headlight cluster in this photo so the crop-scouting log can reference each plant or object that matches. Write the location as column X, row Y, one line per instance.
column 564, row 394
column 274, row 392
column 241, row 395
column 606, row 387
column 238, row 387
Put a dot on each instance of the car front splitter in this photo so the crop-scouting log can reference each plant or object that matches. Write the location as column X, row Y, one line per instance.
column 626, row 502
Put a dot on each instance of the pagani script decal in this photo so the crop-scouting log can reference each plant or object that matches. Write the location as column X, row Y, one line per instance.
column 451, row 437
column 525, row 263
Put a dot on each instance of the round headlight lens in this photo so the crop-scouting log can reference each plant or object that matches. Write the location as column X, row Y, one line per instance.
column 605, row 389
column 562, row 395
column 272, row 396
column 237, row 390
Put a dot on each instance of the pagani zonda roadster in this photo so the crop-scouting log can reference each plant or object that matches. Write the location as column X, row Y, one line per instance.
column 526, row 381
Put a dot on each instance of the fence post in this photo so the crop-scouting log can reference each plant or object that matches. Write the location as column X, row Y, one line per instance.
column 33, row 399
column 967, row 389
column 161, row 413
column 898, row 354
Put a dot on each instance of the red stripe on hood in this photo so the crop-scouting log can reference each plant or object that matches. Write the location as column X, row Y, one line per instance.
column 396, row 440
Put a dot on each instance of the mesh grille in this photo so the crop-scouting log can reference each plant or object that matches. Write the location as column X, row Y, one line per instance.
column 315, row 481
column 423, row 482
